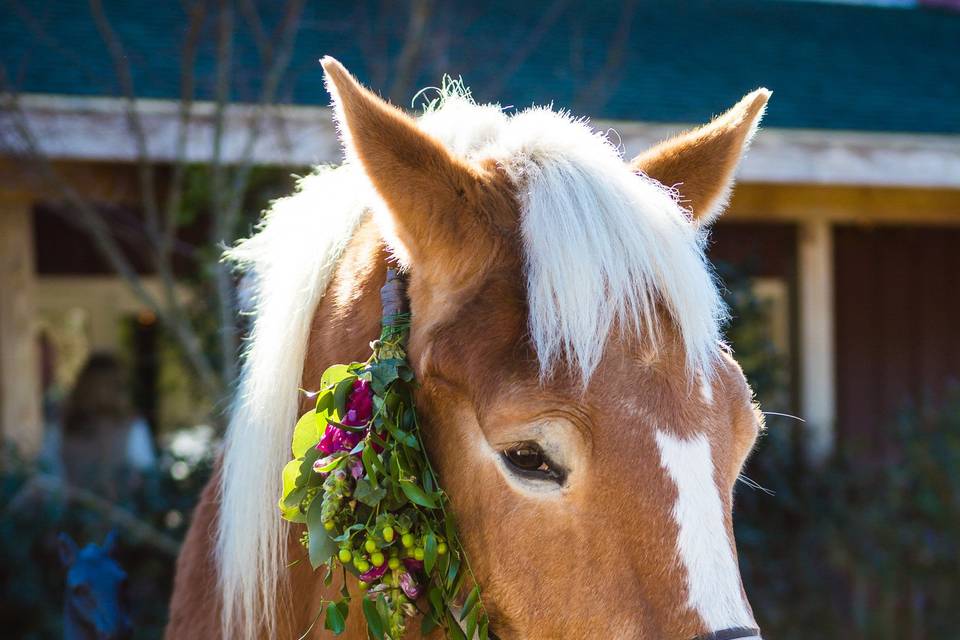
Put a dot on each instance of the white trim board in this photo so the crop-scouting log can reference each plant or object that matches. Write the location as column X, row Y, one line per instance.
column 94, row 128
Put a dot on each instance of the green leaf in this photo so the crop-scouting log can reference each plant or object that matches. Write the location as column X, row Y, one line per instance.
column 372, row 464
column 435, row 596
column 484, row 628
column 334, row 621
column 472, row 622
column 340, row 394
column 321, row 547
column 290, row 511
column 470, row 602
column 399, row 435
column 333, row 375
column 333, row 464
column 453, row 571
column 417, row 495
column 307, row 475
column 428, row 624
column 306, row 434
column 368, row 493
column 430, row 553
column 454, row 629
column 374, row 623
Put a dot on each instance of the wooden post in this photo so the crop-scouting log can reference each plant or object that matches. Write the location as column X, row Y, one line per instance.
column 817, row 357
column 21, row 415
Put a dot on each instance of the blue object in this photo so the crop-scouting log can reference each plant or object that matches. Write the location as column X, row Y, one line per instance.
column 92, row 607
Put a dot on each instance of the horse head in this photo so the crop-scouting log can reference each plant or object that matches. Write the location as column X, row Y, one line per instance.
column 575, row 394
column 93, row 607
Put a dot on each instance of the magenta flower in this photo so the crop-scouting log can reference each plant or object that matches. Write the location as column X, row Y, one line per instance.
column 359, row 404
column 374, row 573
column 359, row 411
column 336, row 439
column 410, row 586
column 413, row 564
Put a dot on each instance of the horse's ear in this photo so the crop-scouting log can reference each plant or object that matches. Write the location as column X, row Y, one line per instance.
column 110, row 543
column 428, row 190
column 700, row 163
column 67, row 548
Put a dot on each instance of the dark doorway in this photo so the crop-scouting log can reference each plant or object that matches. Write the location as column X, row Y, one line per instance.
column 897, row 317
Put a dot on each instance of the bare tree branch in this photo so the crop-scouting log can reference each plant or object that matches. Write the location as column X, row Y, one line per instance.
column 91, row 221
column 115, row 514
column 405, row 69
column 595, row 94
column 530, row 44
column 260, row 38
column 121, row 63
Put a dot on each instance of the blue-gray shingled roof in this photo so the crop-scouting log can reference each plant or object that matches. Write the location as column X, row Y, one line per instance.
column 831, row 66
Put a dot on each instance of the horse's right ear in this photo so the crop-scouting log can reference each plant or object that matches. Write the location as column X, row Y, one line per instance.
column 67, row 548
column 432, row 195
column 700, row 164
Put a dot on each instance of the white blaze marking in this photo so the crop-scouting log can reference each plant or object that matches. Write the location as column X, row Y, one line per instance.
column 713, row 579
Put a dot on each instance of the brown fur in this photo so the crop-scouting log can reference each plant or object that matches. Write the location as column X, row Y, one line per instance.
column 597, row 561
column 700, row 163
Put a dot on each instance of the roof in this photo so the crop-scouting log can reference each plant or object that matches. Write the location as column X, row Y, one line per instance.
column 831, row 66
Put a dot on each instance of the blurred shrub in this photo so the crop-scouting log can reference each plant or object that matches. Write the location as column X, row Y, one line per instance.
column 35, row 507
column 864, row 546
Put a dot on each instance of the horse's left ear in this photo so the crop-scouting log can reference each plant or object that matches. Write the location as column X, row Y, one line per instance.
column 700, row 163
column 431, row 195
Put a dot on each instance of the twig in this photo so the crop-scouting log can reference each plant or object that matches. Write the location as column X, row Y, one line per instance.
column 530, row 43
column 410, row 51
column 115, row 514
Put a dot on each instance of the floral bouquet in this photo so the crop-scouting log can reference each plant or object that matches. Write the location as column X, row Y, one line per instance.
column 362, row 484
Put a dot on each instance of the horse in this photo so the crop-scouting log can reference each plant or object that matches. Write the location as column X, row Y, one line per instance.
column 92, row 608
column 575, row 395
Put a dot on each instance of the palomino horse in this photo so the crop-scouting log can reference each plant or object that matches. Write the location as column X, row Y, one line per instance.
column 575, row 395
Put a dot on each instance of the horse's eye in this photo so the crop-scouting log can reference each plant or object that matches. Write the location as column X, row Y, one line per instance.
column 529, row 460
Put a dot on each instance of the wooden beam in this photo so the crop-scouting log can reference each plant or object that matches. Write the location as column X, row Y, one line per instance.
column 21, row 415
column 866, row 205
column 816, row 350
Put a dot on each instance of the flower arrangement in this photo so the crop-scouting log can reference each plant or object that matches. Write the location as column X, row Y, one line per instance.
column 362, row 484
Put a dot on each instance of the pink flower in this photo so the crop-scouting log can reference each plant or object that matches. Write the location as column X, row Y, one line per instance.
column 359, row 404
column 336, row 439
column 374, row 574
column 359, row 411
column 413, row 564
column 410, row 586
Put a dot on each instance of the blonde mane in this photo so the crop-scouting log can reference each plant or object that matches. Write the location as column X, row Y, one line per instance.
column 604, row 247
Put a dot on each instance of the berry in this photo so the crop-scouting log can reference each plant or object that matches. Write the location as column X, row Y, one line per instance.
column 441, row 548
column 418, row 553
column 362, row 585
column 407, row 540
column 394, row 562
column 328, row 525
column 370, row 545
column 388, row 533
column 345, row 555
column 362, row 566
column 377, row 559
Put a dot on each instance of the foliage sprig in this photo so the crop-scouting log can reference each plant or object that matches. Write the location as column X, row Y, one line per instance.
column 363, row 486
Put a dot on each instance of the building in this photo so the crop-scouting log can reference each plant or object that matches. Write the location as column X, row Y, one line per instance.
column 847, row 213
